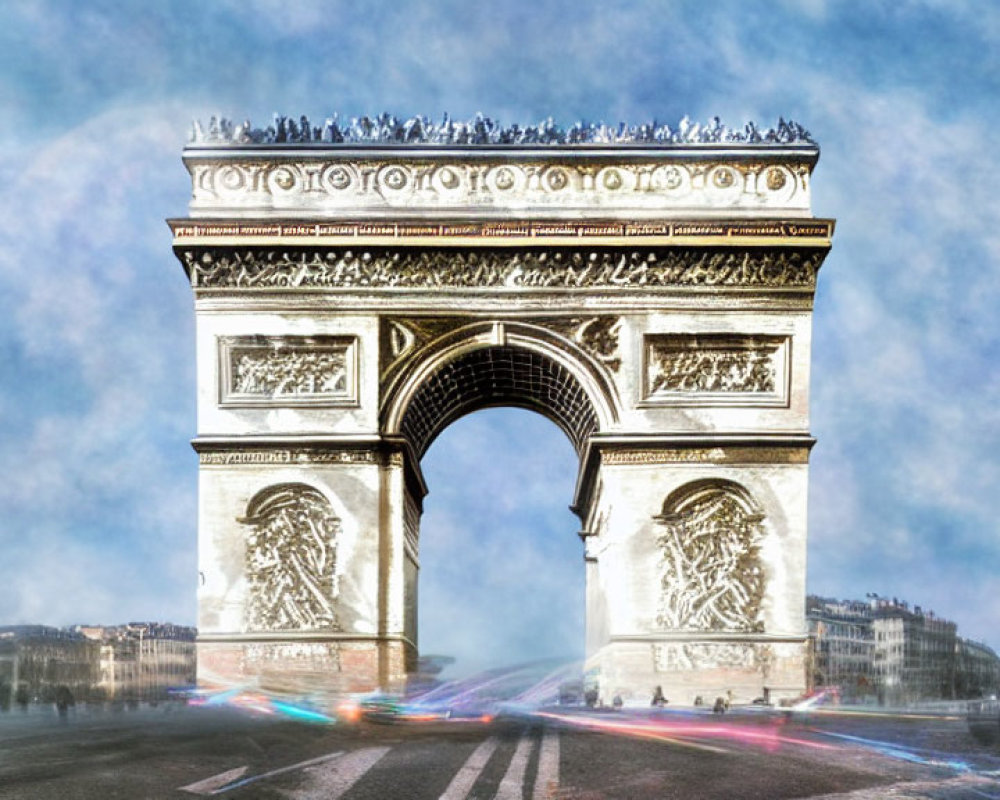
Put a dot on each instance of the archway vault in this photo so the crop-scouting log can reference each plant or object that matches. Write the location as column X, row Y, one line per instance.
column 493, row 363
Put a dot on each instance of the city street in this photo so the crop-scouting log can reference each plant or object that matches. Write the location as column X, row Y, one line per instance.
column 177, row 752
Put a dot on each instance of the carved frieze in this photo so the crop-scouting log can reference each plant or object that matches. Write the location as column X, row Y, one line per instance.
column 500, row 268
column 293, row 657
column 716, row 369
column 711, row 573
column 291, row 561
column 288, row 370
column 671, row 657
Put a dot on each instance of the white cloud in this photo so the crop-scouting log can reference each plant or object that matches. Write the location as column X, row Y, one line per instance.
column 97, row 314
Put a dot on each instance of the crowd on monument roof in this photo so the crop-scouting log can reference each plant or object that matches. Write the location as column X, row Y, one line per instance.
column 482, row 130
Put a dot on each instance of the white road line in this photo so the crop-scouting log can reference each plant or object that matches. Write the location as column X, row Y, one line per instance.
column 330, row 781
column 210, row 785
column 512, row 785
column 461, row 784
column 235, row 773
column 547, row 779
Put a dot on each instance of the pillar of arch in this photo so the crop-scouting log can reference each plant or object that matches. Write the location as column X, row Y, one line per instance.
column 653, row 300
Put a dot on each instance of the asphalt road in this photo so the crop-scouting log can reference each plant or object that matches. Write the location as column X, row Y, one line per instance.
column 198, row 752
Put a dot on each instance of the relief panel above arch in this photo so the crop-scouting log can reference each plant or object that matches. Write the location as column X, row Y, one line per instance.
column 716, row 369
column 288, row 370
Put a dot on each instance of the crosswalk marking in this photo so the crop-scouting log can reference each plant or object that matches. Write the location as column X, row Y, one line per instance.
column 210, row 785
column 331, row 780
column 511, row 785
column 547, row 779
column 219, row 786
column 331, row 776
column 461, row 784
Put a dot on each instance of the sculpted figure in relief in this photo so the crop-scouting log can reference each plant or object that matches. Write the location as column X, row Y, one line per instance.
column 711, row 370
column 712, row 577
column 671, row 657
column 291, row 559
column 289, row 372
column 423, row 269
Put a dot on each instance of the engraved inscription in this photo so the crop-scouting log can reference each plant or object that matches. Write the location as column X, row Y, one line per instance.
column 286, row 456
column 711, row 574
column 491, row 230
column 708, row 455
column 291, row 560
column 664, row 456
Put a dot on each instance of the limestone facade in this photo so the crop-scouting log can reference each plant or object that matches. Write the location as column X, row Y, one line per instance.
column 654, row 302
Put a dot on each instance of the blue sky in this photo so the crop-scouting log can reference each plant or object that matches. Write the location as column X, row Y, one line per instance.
column 96, row 322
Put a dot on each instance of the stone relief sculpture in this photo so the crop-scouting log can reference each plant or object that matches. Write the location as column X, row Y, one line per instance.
column 288, row 368
column 711, row 574
column 712, row 655
column 274, row 374
column 711, row 364
column 712, row 372
column 291, row 560
column 598, row 336
column 403, row 336
column 388, row 129
column 501, row 268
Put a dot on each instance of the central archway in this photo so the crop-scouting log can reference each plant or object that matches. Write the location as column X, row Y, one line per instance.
column 502, row 575
column 480, row 365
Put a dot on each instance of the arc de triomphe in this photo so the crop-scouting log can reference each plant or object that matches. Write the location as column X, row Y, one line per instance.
column 649, row 291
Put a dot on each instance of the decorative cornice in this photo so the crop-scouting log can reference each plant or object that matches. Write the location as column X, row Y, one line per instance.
column 481, row 269
column 388, row 129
